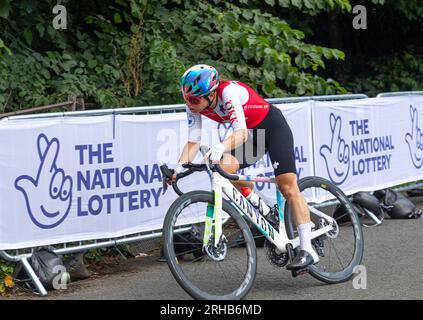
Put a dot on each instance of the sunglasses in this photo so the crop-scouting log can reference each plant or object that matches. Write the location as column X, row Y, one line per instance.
column 193, row 99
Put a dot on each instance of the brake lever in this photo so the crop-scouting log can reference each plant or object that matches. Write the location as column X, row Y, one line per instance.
column 166, row 173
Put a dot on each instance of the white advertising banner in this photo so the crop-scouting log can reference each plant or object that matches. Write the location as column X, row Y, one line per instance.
column 369, row 144
column 80, row 178
column 40, row 161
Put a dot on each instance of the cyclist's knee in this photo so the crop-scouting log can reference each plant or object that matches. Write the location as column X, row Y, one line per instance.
column 290, row 192
column 229, row 163
column 288, row 186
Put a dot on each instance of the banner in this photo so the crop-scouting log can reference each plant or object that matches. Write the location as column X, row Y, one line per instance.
column 368, row 144
column 73, row 179
column 82, row 178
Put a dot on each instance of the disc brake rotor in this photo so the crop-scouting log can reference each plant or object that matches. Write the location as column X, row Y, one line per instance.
column 218, row 252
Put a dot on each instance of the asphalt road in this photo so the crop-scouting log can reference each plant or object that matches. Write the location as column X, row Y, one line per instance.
column 393, row 258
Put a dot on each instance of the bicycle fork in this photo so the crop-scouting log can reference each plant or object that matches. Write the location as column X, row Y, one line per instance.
column 215, row 249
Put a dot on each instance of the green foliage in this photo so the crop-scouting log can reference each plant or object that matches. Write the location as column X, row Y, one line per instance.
column 96, row 255
column 313, row 7
column 413, row 10
column 132, row 52
column 387, row 56
column 399, row 72
column 6, row 280
column 119, row 53
column 4, row 8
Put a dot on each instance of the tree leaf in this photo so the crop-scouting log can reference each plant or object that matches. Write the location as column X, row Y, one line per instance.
column 4, row 8
column 28, row 36
column 117, row 18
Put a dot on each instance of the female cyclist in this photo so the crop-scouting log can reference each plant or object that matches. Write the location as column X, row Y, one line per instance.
column 258, row 126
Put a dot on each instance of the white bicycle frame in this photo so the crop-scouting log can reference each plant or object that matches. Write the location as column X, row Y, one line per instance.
column 279, row 238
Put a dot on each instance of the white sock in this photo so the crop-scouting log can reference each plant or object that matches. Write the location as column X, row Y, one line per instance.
column 304, row 232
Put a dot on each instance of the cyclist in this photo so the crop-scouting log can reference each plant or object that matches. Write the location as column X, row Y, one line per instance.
column 257, row 126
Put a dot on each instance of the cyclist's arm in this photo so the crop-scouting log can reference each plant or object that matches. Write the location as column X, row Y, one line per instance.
column 237, row 138
column 189, row 152
column 194, row 137
column 233, row 105
column 192, row 146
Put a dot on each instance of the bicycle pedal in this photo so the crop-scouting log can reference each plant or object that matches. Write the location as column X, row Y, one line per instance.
column 300, row 272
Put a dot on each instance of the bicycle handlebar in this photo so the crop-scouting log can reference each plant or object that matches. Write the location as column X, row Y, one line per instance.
column 224, row 173
column 203, row 150
column 192, row 167
column 168, row 173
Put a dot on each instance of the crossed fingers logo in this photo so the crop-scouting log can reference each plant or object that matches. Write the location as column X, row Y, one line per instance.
column 414, row 139
column 48, row 195
column 337, row 153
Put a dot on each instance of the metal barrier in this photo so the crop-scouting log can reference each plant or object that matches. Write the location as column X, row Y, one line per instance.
column 398, row 94
column 172, row 107
column 68, row 248
column 72, row 105
column 318, row 98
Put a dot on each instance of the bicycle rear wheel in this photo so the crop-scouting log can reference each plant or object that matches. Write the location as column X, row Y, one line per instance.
column 198, row 272
column 341, row 250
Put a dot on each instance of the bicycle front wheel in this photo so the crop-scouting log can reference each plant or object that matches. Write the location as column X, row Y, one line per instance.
column 341, row 249
column 209, row 273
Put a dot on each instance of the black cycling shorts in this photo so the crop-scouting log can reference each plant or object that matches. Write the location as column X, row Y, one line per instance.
column 272, row 135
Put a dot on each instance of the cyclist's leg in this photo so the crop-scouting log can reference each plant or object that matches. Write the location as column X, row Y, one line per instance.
column 280, row 145
column 287, row 183
column 244, row 156
column 230, row 164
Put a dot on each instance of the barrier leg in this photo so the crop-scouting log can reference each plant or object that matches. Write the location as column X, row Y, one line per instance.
column 372, row 216
column 34, row 277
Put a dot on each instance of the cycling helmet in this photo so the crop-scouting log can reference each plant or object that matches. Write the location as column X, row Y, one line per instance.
column 199, row 80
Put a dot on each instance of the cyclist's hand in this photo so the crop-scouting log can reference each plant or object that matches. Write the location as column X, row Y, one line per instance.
column 215, row 153
column 178, row 169
column 171, row 180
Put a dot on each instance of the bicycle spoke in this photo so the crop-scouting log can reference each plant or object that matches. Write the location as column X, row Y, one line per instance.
column 342, row 247
column 336, row 254
column 215, row 270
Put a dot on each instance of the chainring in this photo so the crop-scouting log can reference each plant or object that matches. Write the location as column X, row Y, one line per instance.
column 275, row 257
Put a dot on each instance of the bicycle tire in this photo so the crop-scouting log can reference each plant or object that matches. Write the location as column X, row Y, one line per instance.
column 205, row 197
column 347, row 272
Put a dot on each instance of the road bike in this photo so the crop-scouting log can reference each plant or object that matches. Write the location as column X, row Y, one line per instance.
column 211, row 251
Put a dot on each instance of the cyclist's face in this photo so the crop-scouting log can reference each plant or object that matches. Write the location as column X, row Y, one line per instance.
column 198, row 104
